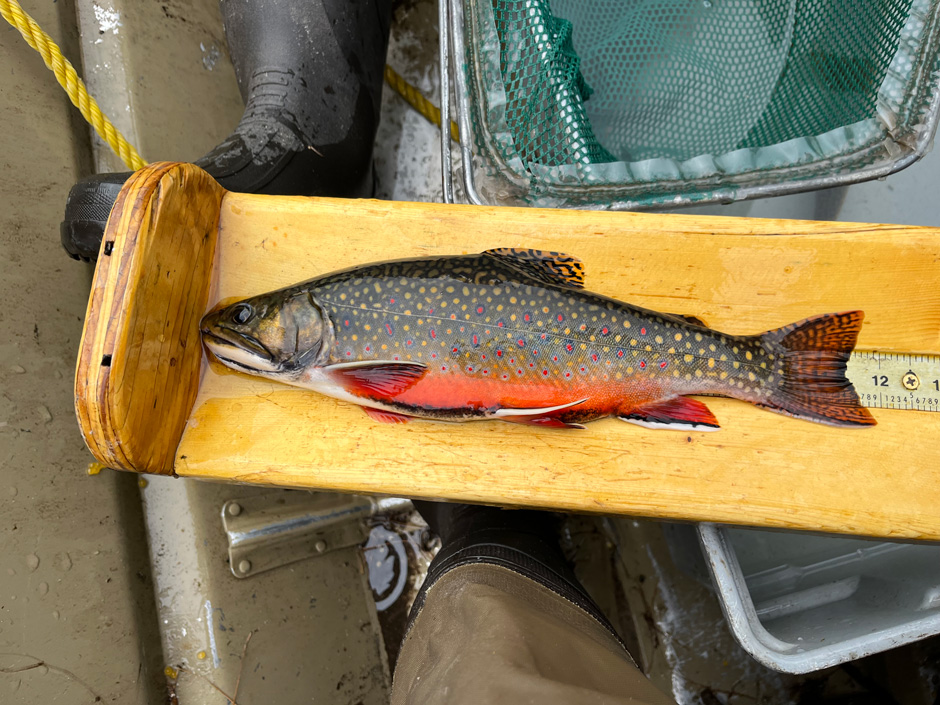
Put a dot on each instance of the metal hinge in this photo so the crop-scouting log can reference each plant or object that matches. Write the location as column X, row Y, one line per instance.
column 270, row 530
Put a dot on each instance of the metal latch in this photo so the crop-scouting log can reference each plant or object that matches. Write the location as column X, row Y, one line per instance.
column 270, row 530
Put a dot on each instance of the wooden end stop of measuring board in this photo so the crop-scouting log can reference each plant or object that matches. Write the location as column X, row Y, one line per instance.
column 141, row 354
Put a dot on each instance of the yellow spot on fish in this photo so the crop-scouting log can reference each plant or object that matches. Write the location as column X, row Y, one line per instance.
column 449, row 290
column 748, row 355
column 723, row 358
column 626, row 324
column 736, row 364
column 698, row 373
column 384, row 346
column 466, row 291
column 342, row 297
column 763, row 365
column 677, row 337
column 688, row 358
column 711, row 362
column 671, row 351
column 688, row 375
column 356, row 337
column 723, row 375
column 698, row 337
column 619, row 375
column 712, row 347
column 658, row 339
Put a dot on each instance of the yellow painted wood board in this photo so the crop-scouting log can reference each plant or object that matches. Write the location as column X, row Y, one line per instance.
column 740, row 275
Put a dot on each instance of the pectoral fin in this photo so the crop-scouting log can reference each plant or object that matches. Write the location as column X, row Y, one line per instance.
column 679, row 413
column 377, row 379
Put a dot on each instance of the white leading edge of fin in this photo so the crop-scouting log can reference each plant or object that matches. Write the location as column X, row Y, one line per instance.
column 539, row 411
column 673, row 426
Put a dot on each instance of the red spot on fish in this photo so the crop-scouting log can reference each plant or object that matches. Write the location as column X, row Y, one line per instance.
column 583, row 327
column 480, row 310
column 518, row 372
column 476, row 341
column 433, row 334
column 462, row 329
column 486, row 372
column 409, row 343
column 642, row 364
column 368, row 348
column 544, row 372
column 499, row 324
column 396, row 357
column 469, row 369
column 482, row 357
column 512, row 361
column 526, row 317
column 348, row 353
column 434, row 355
column 521, row 343
column 499, row 353
column 567, row 374
column 391, row 301
column 662, row 365
column 642, row 331
column 554, row 358
column 346, row 322
column 430, row 310
column 453, row 350
column 583, row 369
column 544, row 336
column 594, row 357
column 531, row 364
column 505, row 376
column 605, row 331
column 620, row 353
column 560, row 318
column 453, row 316
column 535, row 352
column 443, row 368
column 569, row 347
column 388, row 328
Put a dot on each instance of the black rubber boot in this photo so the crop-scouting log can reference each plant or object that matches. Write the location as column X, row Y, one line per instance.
column 521, row 540
column 311, row 76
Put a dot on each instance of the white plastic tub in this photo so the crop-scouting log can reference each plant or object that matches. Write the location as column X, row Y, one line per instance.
column 801, row 602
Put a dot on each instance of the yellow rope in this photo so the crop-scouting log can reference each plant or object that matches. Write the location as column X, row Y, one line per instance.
column 417, row 101
column 65, row 74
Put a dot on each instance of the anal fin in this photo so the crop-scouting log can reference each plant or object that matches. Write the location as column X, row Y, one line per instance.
column 678, row 413
column 383, row 416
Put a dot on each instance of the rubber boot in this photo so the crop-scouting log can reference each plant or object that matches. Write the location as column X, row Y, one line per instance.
column 311, row 75
column 521, row 540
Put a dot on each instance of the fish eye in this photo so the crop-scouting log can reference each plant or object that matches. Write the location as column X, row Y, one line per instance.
column 242, row 313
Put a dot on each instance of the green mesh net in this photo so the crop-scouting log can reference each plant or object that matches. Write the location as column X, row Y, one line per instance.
column 609, row 93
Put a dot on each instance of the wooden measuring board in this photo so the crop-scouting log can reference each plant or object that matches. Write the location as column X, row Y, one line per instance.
column 739, row 275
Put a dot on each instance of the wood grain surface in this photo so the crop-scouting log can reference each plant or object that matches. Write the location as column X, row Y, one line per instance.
column 739, row 275
column 140, row 355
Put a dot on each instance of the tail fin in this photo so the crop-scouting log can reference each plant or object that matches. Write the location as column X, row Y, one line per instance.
column 813, row 355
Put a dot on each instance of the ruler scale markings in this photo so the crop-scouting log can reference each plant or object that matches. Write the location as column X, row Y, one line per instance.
column 885, row 380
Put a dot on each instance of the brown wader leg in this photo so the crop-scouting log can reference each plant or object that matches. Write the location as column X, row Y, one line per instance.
column 501, row 619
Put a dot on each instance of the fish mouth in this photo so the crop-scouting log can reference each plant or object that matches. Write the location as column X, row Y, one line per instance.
column 239, row 350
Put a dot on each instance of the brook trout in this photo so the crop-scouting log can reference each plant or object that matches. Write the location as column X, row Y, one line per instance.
column 512, row 334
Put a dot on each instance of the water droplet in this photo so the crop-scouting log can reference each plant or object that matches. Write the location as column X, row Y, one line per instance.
column 11, row 571
column 55, row 614
column 43, row 588
column 15, row 685
column 44, row 413
column 706, row 4
column 32, row 561
column 18, row 369
column 65, row 562
column 12, row 491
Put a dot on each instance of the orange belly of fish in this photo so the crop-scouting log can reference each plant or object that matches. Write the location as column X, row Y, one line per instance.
column 480, row 395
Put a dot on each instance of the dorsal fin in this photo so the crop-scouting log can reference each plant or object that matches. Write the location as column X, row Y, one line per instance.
column 549, row 267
